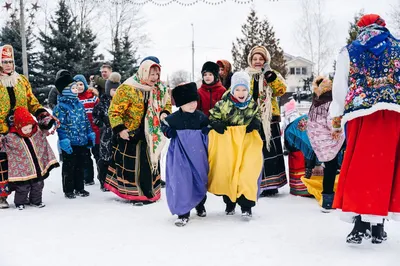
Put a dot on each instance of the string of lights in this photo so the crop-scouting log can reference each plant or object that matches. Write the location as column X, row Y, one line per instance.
column 179, row 2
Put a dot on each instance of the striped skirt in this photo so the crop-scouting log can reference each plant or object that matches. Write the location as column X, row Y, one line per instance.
column 129, row 174
column 274, row 172
column 4, row 187
column 296, row 171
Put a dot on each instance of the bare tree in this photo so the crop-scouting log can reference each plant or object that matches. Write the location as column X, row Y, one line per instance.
column 178, row 77
column 395, row 17
column 314, row 34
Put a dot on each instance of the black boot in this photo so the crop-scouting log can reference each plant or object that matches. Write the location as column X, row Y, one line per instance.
column 361, row 230
column 378, row 233
column 308, row 173
column 269, row 193
column 162, row 182
column 246, row 213
column 201, row 211
column 230, row 208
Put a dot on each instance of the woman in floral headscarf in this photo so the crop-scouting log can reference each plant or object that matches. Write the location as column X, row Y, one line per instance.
column 267, row 84
column 135, row 113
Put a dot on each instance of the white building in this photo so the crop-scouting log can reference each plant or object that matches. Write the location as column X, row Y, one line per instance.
column 298, row 68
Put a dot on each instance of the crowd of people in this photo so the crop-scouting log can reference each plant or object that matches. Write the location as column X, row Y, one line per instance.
column 225, row 138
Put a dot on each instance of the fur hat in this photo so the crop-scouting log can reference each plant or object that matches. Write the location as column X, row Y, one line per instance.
column 81, row 78
column 63, row 80
column 370, row 19
column 185, row 93
column 321, row 85
column 259, row 50
column 240, row 79
column 212, row 68
column 23, row 118
column 113, row 82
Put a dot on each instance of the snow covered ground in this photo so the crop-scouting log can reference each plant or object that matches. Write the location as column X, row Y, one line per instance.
column 102, row 230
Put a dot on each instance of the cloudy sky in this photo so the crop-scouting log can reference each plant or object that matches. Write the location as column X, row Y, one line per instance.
column 215, row 27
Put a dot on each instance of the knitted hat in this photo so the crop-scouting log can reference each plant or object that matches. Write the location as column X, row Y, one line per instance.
column 7, row 53
column 261, row 50
column 81, row 78
column 113, row 82
column 63, row 80
column 144, row 69
column 321, row 85
column 212, row 68
column 370, row 19
column 67, row 91
column 23, row 118
column 185, row 93
column 240, row 79
column 290, row 107
column 151, row 58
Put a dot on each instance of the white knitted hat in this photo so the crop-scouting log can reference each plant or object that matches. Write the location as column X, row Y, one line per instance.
column 240, row 79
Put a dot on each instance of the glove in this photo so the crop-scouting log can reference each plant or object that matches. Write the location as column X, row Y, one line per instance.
column 254, row 125
column 269, row 74
column 45, row 121
column 219, row 127
column 65, row 145
column 205, row 130
column 171, row 133
column 91, row 140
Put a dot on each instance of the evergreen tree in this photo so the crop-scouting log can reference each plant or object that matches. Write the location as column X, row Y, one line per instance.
column 11, row 34
column 124, row 56
column 353, row 28
column 67, row 46
column 258, row 32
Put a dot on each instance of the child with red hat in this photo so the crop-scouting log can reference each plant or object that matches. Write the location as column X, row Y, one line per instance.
column 30, row 159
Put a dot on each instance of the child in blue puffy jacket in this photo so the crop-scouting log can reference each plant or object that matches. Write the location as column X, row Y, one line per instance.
column 75, row 136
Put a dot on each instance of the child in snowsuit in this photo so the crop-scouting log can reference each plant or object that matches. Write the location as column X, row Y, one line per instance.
column 100, row 118
column 186, row 118
column 76, row 137
column 89, row 101
column 211, row 90
column 237, row 108
column 30, row 159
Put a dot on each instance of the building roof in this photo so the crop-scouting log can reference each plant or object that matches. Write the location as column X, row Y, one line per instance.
column 291, row 58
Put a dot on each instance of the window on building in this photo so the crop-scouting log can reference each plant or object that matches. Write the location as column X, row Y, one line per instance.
column 298, row 70
column 304, row 71
column 292, row 71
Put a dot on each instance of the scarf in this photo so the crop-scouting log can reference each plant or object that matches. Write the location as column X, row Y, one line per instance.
column 157, row 98
column 240, row 105
column 9, row 80
column 373, row 38
column 263, row 101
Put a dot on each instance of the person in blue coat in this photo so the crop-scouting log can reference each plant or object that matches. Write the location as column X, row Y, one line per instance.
column 75, row 136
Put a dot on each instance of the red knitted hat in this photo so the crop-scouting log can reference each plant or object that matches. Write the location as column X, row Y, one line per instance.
column 370, row 19
column 22, row 118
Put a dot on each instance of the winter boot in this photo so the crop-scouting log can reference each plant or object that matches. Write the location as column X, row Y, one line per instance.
column 40, row 205
column 201, row 211
column 89, row 183
column 4, row 203
column 230, row 208
column 102, row 188
column 246, row 214
column 182, row 220
column 20, row 207
column 162, row 182
column 83, row 193
column 378, row 234
column 361, row 230
column 327, row 201
column 269, row 193
column 70, row 195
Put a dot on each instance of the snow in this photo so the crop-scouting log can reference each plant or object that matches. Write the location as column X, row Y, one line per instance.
column 103, row 230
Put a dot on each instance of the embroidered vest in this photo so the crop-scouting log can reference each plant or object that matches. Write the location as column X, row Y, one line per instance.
column 374, row 81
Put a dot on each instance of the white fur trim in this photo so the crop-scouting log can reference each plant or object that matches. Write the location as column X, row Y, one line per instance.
column 369, row 218
column 375, row 108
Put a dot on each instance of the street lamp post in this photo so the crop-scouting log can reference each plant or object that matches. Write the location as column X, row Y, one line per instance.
column 23, row 39
column 192, row 52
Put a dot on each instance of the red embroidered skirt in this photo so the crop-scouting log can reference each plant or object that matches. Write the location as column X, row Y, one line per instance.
column 296, row 172
column 369, row 181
